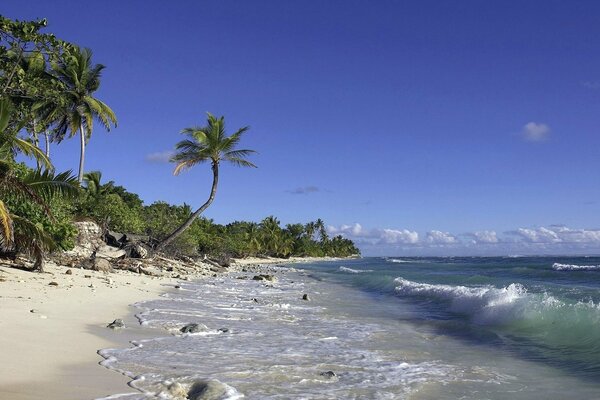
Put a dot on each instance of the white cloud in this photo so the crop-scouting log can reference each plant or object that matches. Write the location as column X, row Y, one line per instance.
column 393, row 236
column 440, row 238
column 535, row 132
column 160, row 156
column 485, row 237
column 538, row 235
column 553, row 239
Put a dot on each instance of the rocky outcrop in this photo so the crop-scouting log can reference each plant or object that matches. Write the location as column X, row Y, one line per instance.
column 89, row 239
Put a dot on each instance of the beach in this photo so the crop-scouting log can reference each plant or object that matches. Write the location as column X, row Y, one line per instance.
column 51, row 334
column 51, row 353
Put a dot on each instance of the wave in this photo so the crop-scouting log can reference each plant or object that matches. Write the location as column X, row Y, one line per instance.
column 486, row 303
column 574, row 267
column 354, row 271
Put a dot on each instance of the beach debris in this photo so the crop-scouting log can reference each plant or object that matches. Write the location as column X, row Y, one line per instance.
column 53, row 283
column 264, row 277
column 193, row 328
column 69, row 272
column 116, row 324
column 328, row 374
column 305, row 297
column 208, row 390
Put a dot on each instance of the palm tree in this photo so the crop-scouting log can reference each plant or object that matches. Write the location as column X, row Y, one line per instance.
column 18, row 233
column 81, row 79
column 207, row 144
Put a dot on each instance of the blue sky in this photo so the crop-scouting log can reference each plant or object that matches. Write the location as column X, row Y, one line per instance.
column 472, row 125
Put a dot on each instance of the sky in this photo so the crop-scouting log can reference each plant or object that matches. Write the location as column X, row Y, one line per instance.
column 413, row 127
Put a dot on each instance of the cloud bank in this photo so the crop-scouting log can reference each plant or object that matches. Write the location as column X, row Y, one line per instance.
column 554, row 239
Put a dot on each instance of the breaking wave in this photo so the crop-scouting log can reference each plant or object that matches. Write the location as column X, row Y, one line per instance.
column 354, row 271
column 574, row 267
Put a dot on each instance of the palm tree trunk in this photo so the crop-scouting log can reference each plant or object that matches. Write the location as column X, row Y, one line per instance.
column 192, row 218
column 82, row 155
column 47, row 137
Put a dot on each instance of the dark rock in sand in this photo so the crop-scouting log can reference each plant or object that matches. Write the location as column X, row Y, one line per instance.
column 69, row 272
column 264, row 277
column 116, row 324
column 177, row 287
column 305, row 297
column 53, row 283
column 224, row 330
column 207, row 390
column 328, row 374
column 193, row 328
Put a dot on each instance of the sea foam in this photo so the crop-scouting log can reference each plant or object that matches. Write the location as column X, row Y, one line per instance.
column 354, row 271
column 574, row 267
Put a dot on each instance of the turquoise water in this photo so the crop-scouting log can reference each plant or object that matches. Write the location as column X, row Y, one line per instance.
column 541, row 309
column 389, row 328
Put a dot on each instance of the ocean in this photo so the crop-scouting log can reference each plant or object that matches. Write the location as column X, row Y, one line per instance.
column 380, row 328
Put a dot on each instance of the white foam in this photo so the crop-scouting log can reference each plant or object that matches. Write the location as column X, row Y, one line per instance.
column 354, row 271
column 574, row 267
column 485, row 304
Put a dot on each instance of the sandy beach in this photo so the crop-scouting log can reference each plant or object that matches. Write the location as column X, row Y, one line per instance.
column 50, row 353
column 51, row 333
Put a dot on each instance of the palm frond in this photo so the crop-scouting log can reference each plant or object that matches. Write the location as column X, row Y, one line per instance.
column 47, row 184
column 31, row 237
column 240, row 162
column 6, row 225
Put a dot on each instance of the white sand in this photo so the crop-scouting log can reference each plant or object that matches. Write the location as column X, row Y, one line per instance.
column 51, row 353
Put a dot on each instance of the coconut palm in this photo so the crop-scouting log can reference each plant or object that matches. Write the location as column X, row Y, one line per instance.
column 16, row 232
column 81, row 79
column 207, row 144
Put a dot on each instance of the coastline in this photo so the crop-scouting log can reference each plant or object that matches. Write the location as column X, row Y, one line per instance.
column 52, row 351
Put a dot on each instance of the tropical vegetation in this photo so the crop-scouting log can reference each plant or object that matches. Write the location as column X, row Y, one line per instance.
column 47, row 88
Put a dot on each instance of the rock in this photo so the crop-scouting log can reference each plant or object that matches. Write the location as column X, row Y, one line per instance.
column 305, row 297
column 109, row 252
column 87, row 276
column 177, row 287
column 208, row 390
column 69, row 272
column 136, row 250
column 33, row 311
column 224, row 330
column 193, row 328
column 264, row 277
column 116, row 324
column 102, row 265
column 89, row 238
column 53, row 283
column 177, row 390
column 328, row 374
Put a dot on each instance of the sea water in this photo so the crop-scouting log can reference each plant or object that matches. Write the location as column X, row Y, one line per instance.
column 388, row 328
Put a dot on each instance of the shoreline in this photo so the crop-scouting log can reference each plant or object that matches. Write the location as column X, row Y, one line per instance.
column 52, row 352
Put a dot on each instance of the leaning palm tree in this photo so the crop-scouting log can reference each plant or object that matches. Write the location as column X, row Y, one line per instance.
column 207, row 144
column 81, row 79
